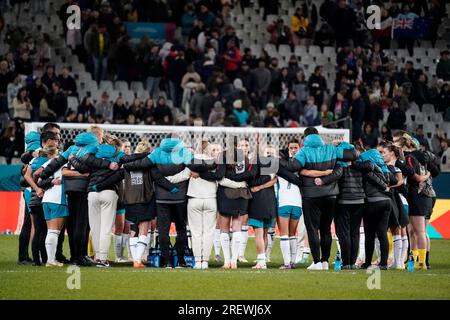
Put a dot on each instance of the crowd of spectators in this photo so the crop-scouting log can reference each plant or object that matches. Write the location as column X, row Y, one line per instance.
column 208, row 75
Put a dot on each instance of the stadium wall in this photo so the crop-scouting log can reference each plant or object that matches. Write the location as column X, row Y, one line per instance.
column 12, row 205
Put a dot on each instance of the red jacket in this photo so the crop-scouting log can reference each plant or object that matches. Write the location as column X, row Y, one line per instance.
column 233, row 63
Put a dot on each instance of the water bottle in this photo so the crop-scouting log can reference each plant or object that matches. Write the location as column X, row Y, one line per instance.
column 411, row 262
column 337, row 262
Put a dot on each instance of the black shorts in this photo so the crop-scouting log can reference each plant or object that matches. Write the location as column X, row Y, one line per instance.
column 138, row 213
column 428, row 216
column 420, row 205
column 231, row 207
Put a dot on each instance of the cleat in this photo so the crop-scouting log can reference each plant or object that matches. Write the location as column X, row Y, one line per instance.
column 54, row 264
column 138, row 265
column 242, row 259
column 103, row 264
column 218, row 258
column 285, row 267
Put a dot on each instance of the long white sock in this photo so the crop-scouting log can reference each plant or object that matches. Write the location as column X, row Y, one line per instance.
column 270, row 240
column 261, row 258
column 147, row 247
column 293, row 246
column 133, row 246
column 362, row 244
column 125, row 239
column 225, row 242
column 118, row 245
column 397, row 244
column 404, row 248
column 338, row 244
column 51, row 242
column 243, row 240
column 151, row 243
column 217, row 242
column 285, row 249
column 377, row 248
column 235, row 246
column 140, row 247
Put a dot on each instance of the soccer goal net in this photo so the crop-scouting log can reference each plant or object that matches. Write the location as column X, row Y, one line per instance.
column 191, row 135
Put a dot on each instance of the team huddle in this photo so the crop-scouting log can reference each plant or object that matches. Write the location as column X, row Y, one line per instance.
column 97, row 189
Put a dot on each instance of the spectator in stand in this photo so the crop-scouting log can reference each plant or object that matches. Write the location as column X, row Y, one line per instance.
column 125, row 59
column 357, row 113
column 438, row 136
column 176, row 68
column 232, row 57
column 9, row 143
column 12, row 90
column 86, row 108
column 386, row 133
column 445, row 155
column 206, row 15
column 310, row 118
column 37, row 90
column 99, row 46
column 279, row 33
column 241, row 115
column 344, row 22
column 245, row 74
column 68, row 84
column 49, row 77
column 24, row 66
column 163, row 114
column 154, row 71
column 299, row 24
column 57, row 101
column 269, row 6
column 420, row 136
column 421, row 92
column 45, row 113
column 22, row 105
column 293, row 110
column 104, row 108
column 340, row 108
column 443, row 66
column 397, row 118
column 261, row 80
column 217, row 115
column 374, row 112
column 120, row 111
column 300, row 86
column 317, row 85
column 369, row 137
column 148, row 110
column 407, row 42
column 6, row 77
column 326, row 116
column 443, row 100
column 187, row 20
column 272, row 116
column 208, row 103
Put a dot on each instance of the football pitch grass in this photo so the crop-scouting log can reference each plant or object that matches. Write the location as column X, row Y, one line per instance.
column 124, row 282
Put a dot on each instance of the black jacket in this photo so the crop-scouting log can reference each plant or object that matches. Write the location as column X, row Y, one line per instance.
column 375, row 184
column 351, row 185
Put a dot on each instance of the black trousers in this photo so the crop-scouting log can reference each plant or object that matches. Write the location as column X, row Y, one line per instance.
column 78, row 224
column 376, row 221
column 166, row 213
column 59, row 248
column 40, row 232
column 24, row 238
column 347, row 220
column 318, row 217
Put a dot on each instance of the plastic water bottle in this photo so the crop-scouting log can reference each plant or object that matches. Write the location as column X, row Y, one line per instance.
column 337, row 262
column 410, row 262
column 157, row 258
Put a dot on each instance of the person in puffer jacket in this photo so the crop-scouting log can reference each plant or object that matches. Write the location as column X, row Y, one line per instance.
column 378, row 206
column 170, row 158
column 350, row 208
column 319, row 200
column 102, row 202
column 75, row 186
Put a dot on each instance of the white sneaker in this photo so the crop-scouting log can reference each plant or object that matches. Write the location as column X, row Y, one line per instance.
column 242, row 259
column 260, row 266
column 198, row 266
column 121, row 260
column 324, row 265
column 205, row 265
column 315, row 266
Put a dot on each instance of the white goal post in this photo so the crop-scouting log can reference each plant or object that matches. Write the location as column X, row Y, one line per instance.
column 278, row 137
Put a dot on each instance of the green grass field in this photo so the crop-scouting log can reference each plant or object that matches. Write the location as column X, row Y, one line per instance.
column 124, row 282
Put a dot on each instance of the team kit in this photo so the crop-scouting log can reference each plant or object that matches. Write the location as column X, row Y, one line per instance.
column 97, row 189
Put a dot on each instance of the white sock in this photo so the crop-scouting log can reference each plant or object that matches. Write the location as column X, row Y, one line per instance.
column 118, row 245
column 147, row 247
column 362, row 244
column 243, row 240
column 51, row 242
column 125, row 238
column 404, row 248
column 133, row 246
column 140, row 247
column 377, row 248
column 293, row 245
column 235, row 246
column 225, row 241
column 151, row 243
column 270, row 238
column 397, row 244
column 306, row 252
column 261, row 258
column 338, row 244
column 217, row 242
column 285, row 249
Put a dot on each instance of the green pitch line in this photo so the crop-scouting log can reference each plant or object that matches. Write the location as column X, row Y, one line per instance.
column 124, row 282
